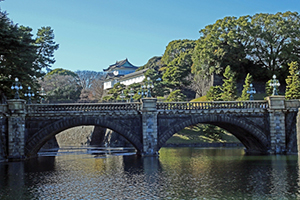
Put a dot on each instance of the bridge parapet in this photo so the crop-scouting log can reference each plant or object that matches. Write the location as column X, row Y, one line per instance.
column 80, row 107
column 212, row 105
column 3, row 109
column 292, row 104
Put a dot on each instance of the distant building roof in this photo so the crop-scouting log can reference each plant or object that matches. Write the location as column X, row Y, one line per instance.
column 110, row 76
column 121, row 65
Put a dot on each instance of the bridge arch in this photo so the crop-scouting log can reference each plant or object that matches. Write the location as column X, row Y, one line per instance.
column 251, row 136
column 132, row 134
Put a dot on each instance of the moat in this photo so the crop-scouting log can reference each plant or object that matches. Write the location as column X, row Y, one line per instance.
column 178, row 173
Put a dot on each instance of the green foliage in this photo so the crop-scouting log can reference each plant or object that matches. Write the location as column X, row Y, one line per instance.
column 293, row 82
column 227, row 92
column 153, row 63
column 212, row 132
column 62, row 72
column 175, row 48
column 203, row 98
column 246, row 96
column 229, row 85
column 17, row 56
column 219, row 46
column 160, row 87
column 21, row 56
column 45, row 47
column 176, row 96
column 119, row 90
column 266, row 42
column 61, row 88
column 268, row 88
column 116, row 91
column 108, row 98
column 201, row 133
column 214, row 93
column 178, row 61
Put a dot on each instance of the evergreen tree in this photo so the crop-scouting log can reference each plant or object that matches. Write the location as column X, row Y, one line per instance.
column 23, row 56
column 245, row 96
column 293, row 82
column 229, row 85
column 61, row 86
column 268, row 88
column 176, row 96
column 214, row 93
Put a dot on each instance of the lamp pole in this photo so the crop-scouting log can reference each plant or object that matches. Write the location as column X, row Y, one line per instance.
column 43, row 93
column 17, row 86
column 29, row 94
column 131, row 93
column 143, row 91
column 122, row 96
column 275, row 84
column 251, row 91
column 149, row 85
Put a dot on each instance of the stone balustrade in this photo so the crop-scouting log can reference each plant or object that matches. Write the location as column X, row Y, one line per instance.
column 262, row 126
column 212, row 105
column 3, row 108
column 94, row 107
column 81, row 107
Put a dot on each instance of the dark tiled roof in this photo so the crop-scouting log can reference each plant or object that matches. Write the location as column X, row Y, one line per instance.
column 120, row 64
column 135, row 73
column 111, row 76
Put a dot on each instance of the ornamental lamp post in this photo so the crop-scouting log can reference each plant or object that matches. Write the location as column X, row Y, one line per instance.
column 149, row 85
column 131, row 93
column 122, row 96
column 143, row 92
column 43, row 93
column 17, row 86
column 29, row 94
column 275, row 84
column 251, row 91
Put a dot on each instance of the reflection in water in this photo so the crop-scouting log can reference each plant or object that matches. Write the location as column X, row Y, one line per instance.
column 179, row 173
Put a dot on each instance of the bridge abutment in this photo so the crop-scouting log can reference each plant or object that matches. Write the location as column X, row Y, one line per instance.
column 16, row 129
column 267, row 126
column 277, row 124
column 150, row 133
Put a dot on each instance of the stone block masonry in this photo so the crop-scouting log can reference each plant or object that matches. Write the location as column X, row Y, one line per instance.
column 262, row 126
column 149, row 118
column 16, row 129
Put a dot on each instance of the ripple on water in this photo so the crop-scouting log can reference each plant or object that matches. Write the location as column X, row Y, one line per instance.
column 177, row 174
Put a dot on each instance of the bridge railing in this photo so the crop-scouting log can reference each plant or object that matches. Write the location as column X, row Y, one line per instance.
column 212, row 105
column 3, row 108
column 81, row 107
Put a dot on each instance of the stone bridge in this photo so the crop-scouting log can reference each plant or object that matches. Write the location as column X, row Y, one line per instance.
column 264, row 127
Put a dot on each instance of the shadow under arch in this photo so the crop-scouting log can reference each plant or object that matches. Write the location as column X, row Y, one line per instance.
column 34, row 143
column 251, row 136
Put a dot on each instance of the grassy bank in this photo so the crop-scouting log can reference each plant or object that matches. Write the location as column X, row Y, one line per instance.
column 201, row 133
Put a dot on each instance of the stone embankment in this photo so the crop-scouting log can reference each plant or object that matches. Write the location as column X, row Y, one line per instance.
column 77, row 136
column 87, row 136
column 217, row 144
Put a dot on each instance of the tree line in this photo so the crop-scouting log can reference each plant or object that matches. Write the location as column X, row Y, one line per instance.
column 254, row 47
column 260, row 45
column 23, row 55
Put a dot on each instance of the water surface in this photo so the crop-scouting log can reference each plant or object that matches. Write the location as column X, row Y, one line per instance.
column 178, row 173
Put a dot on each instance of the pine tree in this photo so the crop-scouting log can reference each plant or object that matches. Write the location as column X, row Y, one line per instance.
column 293, row 82
column 245, row 96
column 229, row 85
column 268, row 88
column 214, row 93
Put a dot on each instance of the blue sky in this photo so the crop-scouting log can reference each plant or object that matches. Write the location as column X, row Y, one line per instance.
column 93, row 34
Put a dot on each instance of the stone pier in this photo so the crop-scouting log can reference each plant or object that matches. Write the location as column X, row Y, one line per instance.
column 266, row 126
column 16, row 129
column 149, row 120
